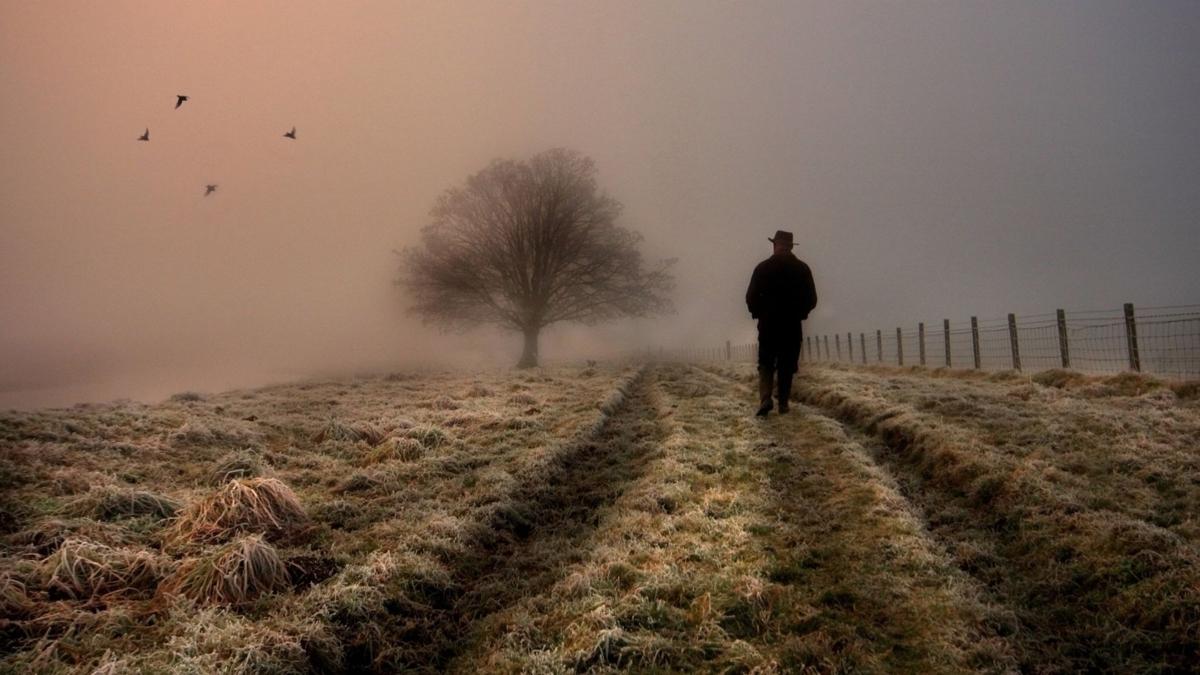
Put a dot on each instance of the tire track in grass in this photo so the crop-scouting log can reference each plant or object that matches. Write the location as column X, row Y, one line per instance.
column 542, row 528
column 1128, row 454
column 870, row 589
column 411, row 607
column 1093, row 589
column 392, row 590
column 668, row 581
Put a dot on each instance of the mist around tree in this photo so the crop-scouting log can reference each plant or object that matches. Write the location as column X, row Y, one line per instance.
column 524, row 244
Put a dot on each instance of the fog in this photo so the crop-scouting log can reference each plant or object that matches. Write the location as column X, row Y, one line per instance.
column 934, row 160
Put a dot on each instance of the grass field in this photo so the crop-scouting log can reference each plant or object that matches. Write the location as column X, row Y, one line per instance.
column 610, row 518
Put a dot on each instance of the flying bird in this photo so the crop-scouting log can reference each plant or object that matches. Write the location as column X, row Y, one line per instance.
column 145, row 136
column 209, row 189
column 180, row 98
column 291, row 134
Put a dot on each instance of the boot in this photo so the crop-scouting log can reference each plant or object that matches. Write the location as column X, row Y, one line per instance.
column 765, row 385
column 785, row 391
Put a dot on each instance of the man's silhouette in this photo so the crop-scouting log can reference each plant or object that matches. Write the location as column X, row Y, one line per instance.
column 780, row 296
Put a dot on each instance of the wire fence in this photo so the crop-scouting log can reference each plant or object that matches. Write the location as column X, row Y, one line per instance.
column 1162, row 341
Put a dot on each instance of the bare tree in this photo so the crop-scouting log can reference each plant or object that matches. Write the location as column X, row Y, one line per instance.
column 525, row 244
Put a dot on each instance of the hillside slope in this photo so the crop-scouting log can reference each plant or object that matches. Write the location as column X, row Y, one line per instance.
column 606, row 519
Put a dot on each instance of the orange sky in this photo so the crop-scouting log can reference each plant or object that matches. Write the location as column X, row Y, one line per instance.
column 934, row 159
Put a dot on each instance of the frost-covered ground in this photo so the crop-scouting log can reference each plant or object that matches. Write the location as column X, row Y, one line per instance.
column 609, row 518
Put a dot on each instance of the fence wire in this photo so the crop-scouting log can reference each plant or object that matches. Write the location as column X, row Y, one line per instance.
column 1163, row 341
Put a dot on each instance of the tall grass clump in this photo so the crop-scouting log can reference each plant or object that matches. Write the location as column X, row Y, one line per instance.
column 1186, row 391
column 195, row 432
column 109, row 502
column 336, row 430
column 233, row 574
column 478, row 391
column 1059, row 378
column 82, row 569
column 260, row 505
column 1128, row 384
column 46, row 536
column 429, row 436
column 444, row 403
column 242, row 464
column 14, row 598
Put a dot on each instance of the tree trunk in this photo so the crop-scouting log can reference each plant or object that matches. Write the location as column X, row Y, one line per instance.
column 529, row 359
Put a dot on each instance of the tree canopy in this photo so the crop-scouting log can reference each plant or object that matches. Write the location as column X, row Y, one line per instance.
column 524, row 244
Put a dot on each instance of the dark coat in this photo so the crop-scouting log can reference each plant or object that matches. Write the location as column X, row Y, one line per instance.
column 781, row 292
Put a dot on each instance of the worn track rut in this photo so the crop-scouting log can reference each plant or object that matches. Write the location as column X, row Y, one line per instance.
column 1086, row 589
column 544, row 525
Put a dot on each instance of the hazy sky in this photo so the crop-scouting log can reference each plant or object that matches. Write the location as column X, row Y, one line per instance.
column 934, row 159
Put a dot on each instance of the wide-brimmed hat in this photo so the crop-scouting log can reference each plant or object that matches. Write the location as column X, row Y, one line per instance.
column 781, row 237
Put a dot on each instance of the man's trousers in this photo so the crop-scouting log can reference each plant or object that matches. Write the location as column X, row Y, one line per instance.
column 778, row 359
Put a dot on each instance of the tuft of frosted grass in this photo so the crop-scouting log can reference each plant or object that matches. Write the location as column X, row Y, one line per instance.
column 109, row 502
column 444, row 403
column 14, row 598
column 241, row 464
column 336, row 430
column 82, row 569
column 479, row 391
column 260, row 505
column 47, row 535
column 234, row 574
column 429, row 436
column 210, row 432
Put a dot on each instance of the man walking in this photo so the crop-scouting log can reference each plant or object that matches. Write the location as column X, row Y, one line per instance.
column 780, row 296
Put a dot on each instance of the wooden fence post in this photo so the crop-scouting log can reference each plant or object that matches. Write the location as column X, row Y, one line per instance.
column 975, row 340
column 826, row 337
column 837, row 342
column 1012, row 337
column 728, row 351
column 946, row 332
column 1135, row 360
column 899, row 348
column 850, row 346
column 862, row 343
column 879, row 345
column 1064, row 347
column 808, row 346
column 921, row 338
